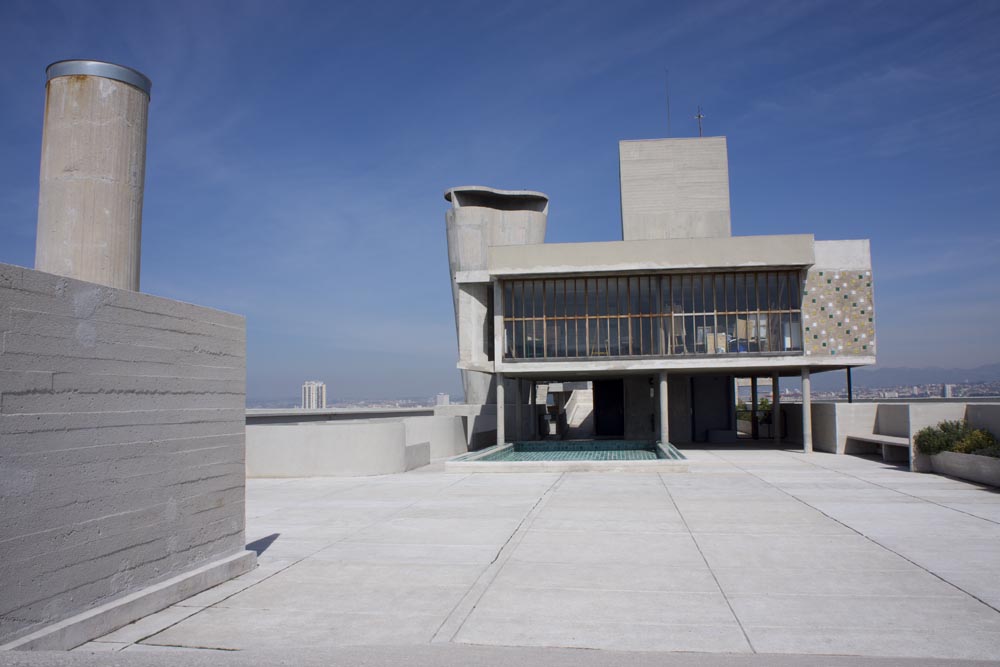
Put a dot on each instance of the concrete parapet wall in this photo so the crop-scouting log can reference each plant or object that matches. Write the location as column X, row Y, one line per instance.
column 121, row 445
column 326, row 449
column 445, row 435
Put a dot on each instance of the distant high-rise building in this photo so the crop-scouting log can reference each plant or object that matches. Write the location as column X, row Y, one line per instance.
column 947, row 390
column 442, row 399
column 313, row 395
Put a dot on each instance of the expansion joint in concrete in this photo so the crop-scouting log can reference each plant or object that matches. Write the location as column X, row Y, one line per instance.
column 708, row 565
column 869, row 537
column 452, row 625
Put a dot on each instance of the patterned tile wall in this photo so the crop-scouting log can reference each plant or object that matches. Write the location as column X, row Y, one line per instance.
column 838, row 314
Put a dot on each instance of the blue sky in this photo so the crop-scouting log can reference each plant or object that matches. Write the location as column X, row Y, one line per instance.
column 298, row 153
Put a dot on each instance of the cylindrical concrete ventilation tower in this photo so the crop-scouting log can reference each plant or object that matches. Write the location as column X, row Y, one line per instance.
column 93, row 168
column 481, row 217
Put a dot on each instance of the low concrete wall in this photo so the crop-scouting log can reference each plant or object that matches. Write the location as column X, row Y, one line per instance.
column 445, row 435
column 121, row 451
column 326, row 449
column 979, row 469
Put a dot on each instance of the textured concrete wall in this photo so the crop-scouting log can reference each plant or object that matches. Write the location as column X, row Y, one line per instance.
column 121, row 444
column 674, row 188
column 481, row 217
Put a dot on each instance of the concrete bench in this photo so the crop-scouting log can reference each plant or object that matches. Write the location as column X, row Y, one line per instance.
column 891, row 445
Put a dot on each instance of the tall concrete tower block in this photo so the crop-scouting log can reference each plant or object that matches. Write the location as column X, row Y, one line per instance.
column 481, row 217
column 674, row 188
column 92, row 173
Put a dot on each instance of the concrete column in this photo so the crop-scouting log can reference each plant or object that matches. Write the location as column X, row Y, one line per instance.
column 518, row 415
column 807, row 429
column 754, row 423
column 776, row 408
column 533, row 411
column 92, row 173
column 501, row 436
column 664, row 409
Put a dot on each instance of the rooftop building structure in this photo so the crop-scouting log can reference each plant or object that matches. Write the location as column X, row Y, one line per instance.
column 662, row 321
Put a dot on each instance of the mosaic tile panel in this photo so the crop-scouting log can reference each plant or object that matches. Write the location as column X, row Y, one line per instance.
column 838, row 313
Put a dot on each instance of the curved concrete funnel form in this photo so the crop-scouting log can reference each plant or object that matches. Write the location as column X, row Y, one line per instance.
column 501, row 200
column 481, row 217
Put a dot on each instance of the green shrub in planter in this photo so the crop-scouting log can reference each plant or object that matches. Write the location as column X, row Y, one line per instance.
column 941, row 438
column 976, row 441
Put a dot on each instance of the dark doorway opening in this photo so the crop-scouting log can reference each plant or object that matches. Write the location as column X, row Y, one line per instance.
column 609, row 408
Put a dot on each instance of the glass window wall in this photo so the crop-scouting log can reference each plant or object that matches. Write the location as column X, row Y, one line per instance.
column 755, row 312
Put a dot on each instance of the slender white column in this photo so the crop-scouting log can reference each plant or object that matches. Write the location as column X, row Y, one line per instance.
column 501, row 438
column 807, row 429
column 776, row 408
column 92, row 173
column 664, row 410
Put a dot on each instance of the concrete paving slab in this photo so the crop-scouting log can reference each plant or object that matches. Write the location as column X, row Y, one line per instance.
column 807, row 580
column 408, row 553
column 662, row 550
column 604, row 576
column 839, row 552
column 262, row 629
column 150, row 625
column 605, row 635
column 875, row 641
column 629, row 562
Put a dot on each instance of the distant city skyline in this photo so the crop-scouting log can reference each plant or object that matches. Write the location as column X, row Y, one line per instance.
column 311, row 201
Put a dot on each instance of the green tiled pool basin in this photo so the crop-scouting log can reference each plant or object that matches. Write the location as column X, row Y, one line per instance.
column 587, row 450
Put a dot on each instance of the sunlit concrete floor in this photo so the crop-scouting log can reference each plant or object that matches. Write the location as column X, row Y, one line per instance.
column 767, row 552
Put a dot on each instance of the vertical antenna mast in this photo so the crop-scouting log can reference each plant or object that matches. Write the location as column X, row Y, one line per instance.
column 668, row 102
column 699, row 117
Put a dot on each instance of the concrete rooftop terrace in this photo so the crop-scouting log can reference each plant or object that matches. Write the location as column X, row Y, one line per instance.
column 753, row 552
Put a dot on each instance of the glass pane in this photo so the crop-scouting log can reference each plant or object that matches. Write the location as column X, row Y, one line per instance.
column 645, row 296
column 761, row 291
column 794, row 291
column 730, row 292
column 783, row 291
column 560, row 308
column 741, row 292
column 633, row 296
column 689, row 339
column 649, row 338
column 720, row 294
column 551, row 339
column 772, row 291
column 774, row 331
column 687, row 302
column 508, row 299
column 795, row 332
column 613, row 336
column 698, row 304
column 623, row 296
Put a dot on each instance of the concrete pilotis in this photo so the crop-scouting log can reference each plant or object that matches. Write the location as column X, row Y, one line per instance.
column 807, row 431
column 501, row 436
column 664, row 412
column 92, row 173
column 518, row 415
column 776, row 408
